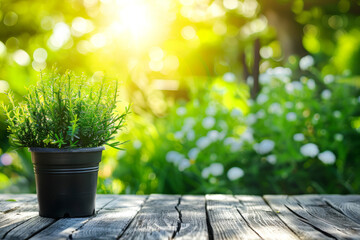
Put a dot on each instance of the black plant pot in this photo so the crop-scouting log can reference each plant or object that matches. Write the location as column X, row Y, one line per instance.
column 66, row 180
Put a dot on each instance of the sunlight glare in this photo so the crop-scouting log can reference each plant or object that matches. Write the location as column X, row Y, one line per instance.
column 135, row 18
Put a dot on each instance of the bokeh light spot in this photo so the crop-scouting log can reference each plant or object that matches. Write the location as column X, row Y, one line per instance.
column 188, row 33
column 4, row 86
column 10, row 19
column 21, row 57
column 40, row 55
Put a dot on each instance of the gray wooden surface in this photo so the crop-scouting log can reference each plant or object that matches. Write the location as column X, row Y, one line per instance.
column 190, row 217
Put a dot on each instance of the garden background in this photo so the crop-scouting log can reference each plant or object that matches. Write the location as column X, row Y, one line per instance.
column 228, row 96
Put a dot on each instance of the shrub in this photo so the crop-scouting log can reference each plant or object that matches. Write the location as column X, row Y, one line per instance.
column 66, row 111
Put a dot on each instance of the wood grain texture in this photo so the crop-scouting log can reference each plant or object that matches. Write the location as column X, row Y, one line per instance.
column 9, row 202
column 157, row 219
column 303, row 230
column 193, row 218
column 324, row 218
column 112, row 220
column 224, row 219
column 190, row 217
column 22, row 222
column 260, row 217
column 349, row 205
column 64, row 227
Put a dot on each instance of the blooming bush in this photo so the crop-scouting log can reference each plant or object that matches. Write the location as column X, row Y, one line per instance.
column 300, row 135
column 307, row 129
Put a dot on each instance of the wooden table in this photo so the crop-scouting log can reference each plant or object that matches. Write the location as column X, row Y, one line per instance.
column 190, row 217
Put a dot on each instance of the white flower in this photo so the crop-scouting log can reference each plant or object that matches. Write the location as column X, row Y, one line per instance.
column 326, row 94
column 298, row 137
column 306, row 62
column 208, row 122
column 184, row 163
column 297, row 85
column 235, row 173
column 236, row 112
column 339, row 137
column 247, row 136
column 193, row 153
column 213, row 135
column 229, row 140
column 181, row 111
column 327, row 157
column 281, row 71
column 309, row 150
column 250, row 102
column 275, row 108
column 264, row 78
column 289, row 104
column 271, row 159
column 311, row 84
column 262, row 98
column 178, row 135
column 216, row 169
column 190, row 135
column 291, row 116
column 203, row 142
column 299, row 105
column 174, row 157
column 261, row 113
column 329, row 79
column 337, row 114
column 188, row 123
column 205, row 172
column 137, row 144
column 213, row 157
column 223, row 125
column 211, row 110
column 229, row 77
column 265, row 146
column 251, row 119
column 292, row 86
column 236, row 146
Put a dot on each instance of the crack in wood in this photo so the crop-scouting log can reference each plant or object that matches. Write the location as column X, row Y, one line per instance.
column 247, row 223
column 209, row 227
column 180, row 219
column 276, row 213
column 304, row 220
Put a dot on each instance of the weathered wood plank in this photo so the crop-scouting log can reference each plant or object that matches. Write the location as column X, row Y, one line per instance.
column 303, row 230
column 193, row 218
column 112, row 220
column 321, row 216
column 157, row 219
column 12, row 219
column 9, row 202
column 225, row 220
column 260, row 217
column 64, row 227
column 349, row 205
column 29, row 228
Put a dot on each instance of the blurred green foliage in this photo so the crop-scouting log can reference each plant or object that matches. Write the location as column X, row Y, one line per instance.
column 177, row 60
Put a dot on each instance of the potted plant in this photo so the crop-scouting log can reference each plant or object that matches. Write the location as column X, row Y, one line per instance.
column 64, row 121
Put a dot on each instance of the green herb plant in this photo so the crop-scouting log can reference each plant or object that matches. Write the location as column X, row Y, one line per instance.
column 66, row 111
